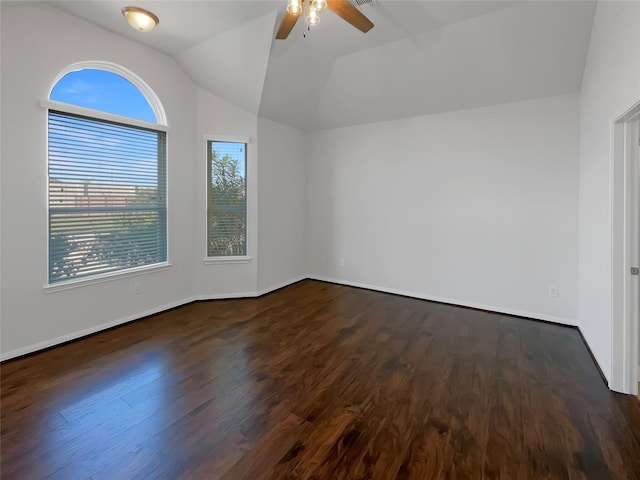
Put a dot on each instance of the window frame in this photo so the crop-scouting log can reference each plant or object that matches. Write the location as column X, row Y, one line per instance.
column 146, row 90
column 161, row 126
column 236, row 259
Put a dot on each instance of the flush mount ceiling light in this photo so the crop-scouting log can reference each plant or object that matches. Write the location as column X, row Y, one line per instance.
column 140, row 19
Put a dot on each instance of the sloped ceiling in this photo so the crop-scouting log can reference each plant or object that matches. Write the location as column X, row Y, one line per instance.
column 421, row 57
column 233, row 64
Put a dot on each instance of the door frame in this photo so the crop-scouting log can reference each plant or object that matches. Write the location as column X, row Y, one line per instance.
column 625, row 197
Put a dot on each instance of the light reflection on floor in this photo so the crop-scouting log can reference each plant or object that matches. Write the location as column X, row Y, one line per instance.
column 94, row 418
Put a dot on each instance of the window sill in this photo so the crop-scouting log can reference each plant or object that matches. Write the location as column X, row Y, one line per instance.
column 107, row 277
column 223, row 260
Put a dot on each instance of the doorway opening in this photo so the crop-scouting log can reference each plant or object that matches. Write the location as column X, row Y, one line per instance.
column 625, row 243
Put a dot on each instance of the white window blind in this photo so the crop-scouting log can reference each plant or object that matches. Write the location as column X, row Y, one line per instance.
column 226, row 199
column 107, row 197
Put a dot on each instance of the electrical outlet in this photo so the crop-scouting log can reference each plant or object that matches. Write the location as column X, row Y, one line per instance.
column 553, row 291
column 341, row 262
column 137, row 288
column 323, row 260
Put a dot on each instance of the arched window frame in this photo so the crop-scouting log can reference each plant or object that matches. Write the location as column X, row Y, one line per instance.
column 146, row 90
column 161, row 124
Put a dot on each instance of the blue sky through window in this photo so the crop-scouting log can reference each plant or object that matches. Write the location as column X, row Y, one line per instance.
column 104, row 91
column 235, row 150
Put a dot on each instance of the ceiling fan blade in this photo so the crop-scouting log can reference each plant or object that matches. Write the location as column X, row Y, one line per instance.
column 288, row 21
column 349, row 13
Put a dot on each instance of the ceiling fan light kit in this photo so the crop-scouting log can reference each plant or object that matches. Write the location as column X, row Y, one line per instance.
column 312, row 16
column 319, row 5
column 140, row 19
column 343, row 8
column 294, row 7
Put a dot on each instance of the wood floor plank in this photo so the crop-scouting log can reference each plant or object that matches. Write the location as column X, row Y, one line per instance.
column 572, row 410
column 503, row 459
column 316, row 443
column 544, row 441
column 264, row 456
column 317, row 381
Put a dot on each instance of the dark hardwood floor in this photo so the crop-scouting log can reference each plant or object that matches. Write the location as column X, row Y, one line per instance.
column 318, row 381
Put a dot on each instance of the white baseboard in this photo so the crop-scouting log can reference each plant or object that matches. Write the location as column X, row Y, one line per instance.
column 280, row 285
column 130, row 318
column 121, row 321
column 451, row 301
column 258, row 293
column 88, row 331
column 224, row 296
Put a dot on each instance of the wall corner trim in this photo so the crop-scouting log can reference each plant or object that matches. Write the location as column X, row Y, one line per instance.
column 593, row 358
column 280, row 285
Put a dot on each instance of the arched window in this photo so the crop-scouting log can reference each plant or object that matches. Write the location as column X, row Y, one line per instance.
column 103, row 90
column 107, row 174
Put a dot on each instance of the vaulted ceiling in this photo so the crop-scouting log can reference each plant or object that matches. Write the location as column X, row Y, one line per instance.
column 421, row 57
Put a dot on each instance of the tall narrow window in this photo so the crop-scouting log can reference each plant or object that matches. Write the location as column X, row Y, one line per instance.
column 107, row 178
column 226, row 199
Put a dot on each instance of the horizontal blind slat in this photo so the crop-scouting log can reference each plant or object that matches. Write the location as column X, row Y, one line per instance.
column 107, row 196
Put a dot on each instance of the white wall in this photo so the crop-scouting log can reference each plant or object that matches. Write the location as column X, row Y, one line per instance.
column 476, row 207
column 282, row 204
column 30, row 63
column 610, row 86
column 218, row 117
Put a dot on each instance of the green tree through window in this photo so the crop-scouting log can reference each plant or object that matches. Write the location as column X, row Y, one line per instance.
column 227, row 199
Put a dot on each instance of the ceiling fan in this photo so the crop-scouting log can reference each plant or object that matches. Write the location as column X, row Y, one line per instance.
column 343, row 8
